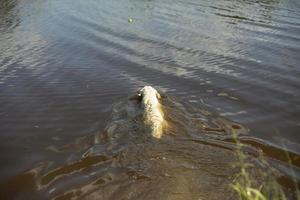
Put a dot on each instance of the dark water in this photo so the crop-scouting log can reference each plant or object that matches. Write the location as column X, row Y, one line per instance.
column 68, row 67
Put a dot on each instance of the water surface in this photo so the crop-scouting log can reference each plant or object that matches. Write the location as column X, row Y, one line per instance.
column 65, row 65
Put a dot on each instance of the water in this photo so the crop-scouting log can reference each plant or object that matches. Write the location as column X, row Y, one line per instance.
column 68, row 67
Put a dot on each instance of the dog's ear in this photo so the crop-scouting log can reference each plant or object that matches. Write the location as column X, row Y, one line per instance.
column 158, row 95
column 137, row 97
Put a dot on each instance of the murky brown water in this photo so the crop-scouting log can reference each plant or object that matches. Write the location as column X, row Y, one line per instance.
column 67, row 69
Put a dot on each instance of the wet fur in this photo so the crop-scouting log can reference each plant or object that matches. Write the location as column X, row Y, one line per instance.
column 152, row 110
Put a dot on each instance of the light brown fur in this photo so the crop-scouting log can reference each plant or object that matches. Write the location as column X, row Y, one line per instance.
column 153, row 114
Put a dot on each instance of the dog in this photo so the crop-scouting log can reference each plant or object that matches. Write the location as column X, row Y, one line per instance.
column 152, row 110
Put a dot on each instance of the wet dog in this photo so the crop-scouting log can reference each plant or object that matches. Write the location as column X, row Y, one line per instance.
column 153, row 116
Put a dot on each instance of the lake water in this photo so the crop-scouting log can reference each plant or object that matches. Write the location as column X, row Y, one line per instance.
column 68, row 67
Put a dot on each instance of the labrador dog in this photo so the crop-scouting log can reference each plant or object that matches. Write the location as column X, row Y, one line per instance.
column 153, row 116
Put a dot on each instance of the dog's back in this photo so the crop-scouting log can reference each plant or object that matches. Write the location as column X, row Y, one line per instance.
column 153, row 114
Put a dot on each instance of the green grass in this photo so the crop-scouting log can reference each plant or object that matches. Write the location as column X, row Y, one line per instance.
column 248, row 188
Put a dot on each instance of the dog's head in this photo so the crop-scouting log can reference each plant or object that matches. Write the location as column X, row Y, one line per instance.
column 149, row 92
column 147, row 95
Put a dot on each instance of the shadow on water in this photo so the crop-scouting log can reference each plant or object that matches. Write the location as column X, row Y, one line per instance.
column 195, row 159
column 8, row 16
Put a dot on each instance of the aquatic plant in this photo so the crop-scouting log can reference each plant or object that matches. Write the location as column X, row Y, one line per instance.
column 130, row 20
column 248, row 188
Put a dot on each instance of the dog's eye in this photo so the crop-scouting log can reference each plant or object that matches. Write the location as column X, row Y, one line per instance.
column 137, row 97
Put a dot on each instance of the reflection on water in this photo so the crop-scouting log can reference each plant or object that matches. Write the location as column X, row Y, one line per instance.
column 192, row 160
column 65, row 65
